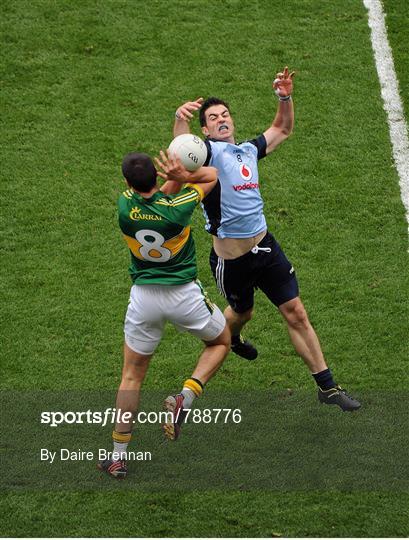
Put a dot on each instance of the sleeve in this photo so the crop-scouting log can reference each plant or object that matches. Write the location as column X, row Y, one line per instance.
column 261, row 144
column 185, row 202
column 122, row 213
column 198, row 189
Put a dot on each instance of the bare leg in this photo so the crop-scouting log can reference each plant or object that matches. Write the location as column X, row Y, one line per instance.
column 303, row 335
column 239, row 345
column 209, row 362
column 212, row 357
column 236, row 321
column 133, row 374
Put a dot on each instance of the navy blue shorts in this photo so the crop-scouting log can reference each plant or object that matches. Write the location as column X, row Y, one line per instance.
column 269, row 271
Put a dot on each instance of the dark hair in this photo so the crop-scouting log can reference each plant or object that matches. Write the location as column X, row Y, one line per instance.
column 209, row 103
column 139, row 171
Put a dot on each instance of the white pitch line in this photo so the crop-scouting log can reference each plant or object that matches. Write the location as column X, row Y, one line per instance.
column 390, row 94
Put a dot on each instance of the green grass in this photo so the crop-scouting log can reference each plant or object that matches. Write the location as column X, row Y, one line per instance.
column 207, row 514
column 85, row 82
column 397, row 21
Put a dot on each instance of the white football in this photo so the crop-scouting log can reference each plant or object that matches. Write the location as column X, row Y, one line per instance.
column 190, row 149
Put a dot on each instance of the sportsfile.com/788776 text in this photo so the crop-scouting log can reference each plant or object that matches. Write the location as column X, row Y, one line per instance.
column 112, row 415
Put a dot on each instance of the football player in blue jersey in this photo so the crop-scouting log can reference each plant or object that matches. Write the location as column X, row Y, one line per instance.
column 245, row 256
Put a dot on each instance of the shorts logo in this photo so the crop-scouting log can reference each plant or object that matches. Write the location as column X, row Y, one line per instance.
column 245, row 172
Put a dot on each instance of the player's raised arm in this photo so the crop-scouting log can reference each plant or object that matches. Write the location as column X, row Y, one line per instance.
column 183, row 116
column 283, row 122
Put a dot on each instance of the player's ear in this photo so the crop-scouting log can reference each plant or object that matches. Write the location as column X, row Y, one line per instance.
column 205, row 131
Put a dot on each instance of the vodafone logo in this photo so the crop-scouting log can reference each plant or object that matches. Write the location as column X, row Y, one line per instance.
column 247, row 185
column 245, row 172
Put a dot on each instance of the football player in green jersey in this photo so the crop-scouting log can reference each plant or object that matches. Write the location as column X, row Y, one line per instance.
column 156, row 228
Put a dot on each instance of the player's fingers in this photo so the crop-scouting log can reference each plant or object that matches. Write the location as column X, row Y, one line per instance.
column 163, row 156
column 185, row 112
column 285, row 72
column 291, row 75
column 279, row 75
column 199, row 100
column 159, row 163
column 178, row 161
column 171, row 158
column 162, row 175
column 194, row 105
column 180, row 114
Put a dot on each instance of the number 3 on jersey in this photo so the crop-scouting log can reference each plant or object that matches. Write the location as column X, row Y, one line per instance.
column 152, row 250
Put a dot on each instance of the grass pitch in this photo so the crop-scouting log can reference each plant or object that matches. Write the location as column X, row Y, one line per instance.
column 85, row 82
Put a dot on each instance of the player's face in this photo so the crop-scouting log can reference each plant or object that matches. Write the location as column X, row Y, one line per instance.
column 219, row 123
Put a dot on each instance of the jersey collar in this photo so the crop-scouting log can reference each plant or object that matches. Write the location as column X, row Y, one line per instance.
column 157, row 195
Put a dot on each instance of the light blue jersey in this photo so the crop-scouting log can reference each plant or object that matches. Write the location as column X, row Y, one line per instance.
column 234, row 208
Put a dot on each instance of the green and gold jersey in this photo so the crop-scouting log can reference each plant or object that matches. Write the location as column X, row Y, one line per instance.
column 157, row 231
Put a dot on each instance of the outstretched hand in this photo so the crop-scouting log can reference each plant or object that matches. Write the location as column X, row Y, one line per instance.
column 171, row 167
column 283, row 83
column 185, row 111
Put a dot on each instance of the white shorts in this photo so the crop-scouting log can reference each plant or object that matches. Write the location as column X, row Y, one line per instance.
column 185, row 306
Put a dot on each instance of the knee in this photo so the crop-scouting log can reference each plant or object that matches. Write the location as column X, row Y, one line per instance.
column 223, row 342
column 225, row 339
column 242, row 318
column 134, row 369
column 296, row 315
column 247, row 315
